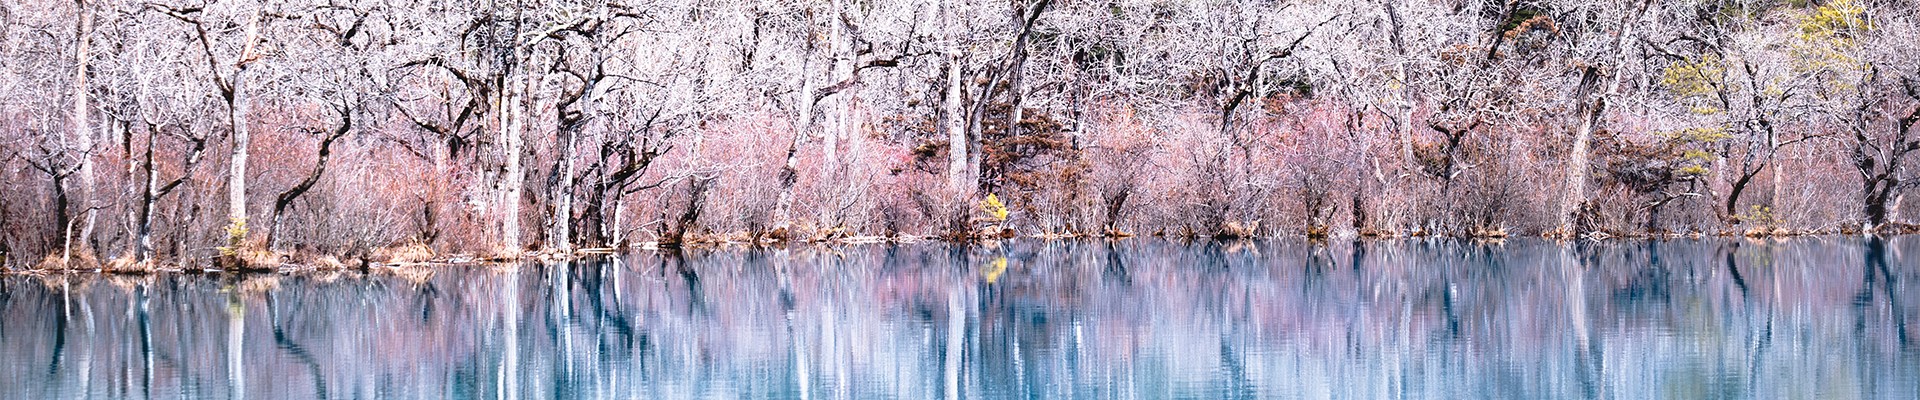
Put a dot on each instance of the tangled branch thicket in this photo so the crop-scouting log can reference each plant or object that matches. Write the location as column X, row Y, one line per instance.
column 183, row 131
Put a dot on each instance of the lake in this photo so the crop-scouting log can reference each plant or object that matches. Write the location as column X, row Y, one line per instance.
column 1820, row 317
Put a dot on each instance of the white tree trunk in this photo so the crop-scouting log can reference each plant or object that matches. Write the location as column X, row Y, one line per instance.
column 613, row 232
column 842, row 67
column 783, row 206
column 1893, row 212
column 134, row 183
column 1404, row 122
column 1583, row 137
column 82, row 131
column 237, row 118
column 802, row 122
column 237, row 171
column 1577, row 168
column 563, row 193
column 956, row 129
column 512, row 110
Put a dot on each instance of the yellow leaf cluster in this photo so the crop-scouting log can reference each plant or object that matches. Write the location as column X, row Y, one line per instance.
column 1698, row 155
column 1699, row 135
column 1694, row 77
column 994, row 208
column 1825, row 34
column 1692, row 170
column 1833, row 20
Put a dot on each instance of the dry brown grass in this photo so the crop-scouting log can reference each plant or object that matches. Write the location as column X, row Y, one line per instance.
column 1238, row 230
column 1488, row 233
column 52, row 262
column 79, row 261
column 326, row 263
column 409, row 253
column 253, row 258
column 1317, row 231
column 1897, row 228
column 251, row 255
column 501, row 255
column 829, row 234
column 126, row 265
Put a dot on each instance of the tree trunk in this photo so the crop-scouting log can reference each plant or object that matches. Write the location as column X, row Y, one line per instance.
column 1577, row 165
column 615, row 235
column 1779, row 176
column 789, row 174
column 82, row 131
column 957, row 178
column 1404, row 120
column 689, row 217
column 955, row 122
column 237, row 118
column 134, row 188
column 512, row 115
column 1876, row 206
column 560, row 226
column 143, row 248
column 1734, row 192
column 1013, row 73
column 61, row 217
column 1404, row 109
column 802, row 122
column 150, row 197
column 1893, row 209
column 143, row 225
column 1592, row 110
column 842, row 65
column 286, row 198
column 237, row 170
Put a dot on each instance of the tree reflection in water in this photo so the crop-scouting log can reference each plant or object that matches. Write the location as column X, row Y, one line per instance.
column 1810, row 317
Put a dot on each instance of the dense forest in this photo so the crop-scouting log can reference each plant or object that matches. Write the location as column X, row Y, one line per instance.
column 181, row 132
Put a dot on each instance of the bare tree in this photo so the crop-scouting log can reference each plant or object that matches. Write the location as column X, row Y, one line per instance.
column 229, row 76
column 1883, row 140
column 1592, row 100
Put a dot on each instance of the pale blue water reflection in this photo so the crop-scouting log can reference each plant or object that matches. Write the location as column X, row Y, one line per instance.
column 1716, row 318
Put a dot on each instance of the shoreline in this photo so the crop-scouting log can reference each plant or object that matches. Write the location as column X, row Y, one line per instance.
column 415, row 257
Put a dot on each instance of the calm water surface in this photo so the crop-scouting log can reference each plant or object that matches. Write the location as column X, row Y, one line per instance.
column 1803, row 318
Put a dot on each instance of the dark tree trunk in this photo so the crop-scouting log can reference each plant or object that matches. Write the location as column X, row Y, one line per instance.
column 286, row 198
column 1739, row 186
column 60, row 205
column 689, row 217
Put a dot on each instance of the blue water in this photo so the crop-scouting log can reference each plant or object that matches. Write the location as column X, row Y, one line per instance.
column 1141, row 318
